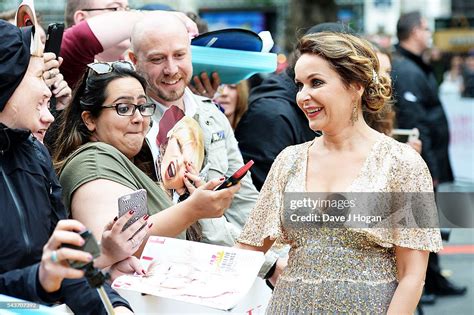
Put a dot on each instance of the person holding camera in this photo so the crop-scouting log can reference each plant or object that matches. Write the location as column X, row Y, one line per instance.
column 31, row 195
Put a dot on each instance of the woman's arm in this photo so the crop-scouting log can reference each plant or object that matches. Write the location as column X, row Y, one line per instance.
column 411, row 270
column 95, row 204
column 203, row 203
column 267, row 243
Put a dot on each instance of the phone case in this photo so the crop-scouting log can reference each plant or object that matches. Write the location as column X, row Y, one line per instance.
column 136, row 201
column 54, row 38
column 236, row 177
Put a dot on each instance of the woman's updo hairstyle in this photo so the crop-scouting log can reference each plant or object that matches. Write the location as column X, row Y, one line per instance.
column 355, row 61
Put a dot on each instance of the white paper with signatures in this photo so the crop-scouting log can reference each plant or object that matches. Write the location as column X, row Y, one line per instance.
column 210, row 275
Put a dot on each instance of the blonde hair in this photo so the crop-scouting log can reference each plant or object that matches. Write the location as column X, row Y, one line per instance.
column 242, row 102
column 188, row 132
column 355, row 61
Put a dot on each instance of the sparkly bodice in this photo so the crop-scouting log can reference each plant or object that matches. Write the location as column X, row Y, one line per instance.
column 339, row 270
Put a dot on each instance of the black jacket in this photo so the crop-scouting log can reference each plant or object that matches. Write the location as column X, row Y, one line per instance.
column 31, row 206
column 273, row 122
column 418, row 105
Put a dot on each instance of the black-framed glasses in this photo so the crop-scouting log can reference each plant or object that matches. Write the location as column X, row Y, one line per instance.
column 107, row 67
column 126, row 109
column 127, row 8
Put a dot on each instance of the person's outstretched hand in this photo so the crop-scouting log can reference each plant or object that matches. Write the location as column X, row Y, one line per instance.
column 54, row 266
column 118, row 245
column 207, row 203
column 203, row 86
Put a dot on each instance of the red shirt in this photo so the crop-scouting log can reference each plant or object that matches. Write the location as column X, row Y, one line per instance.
column 78, row 49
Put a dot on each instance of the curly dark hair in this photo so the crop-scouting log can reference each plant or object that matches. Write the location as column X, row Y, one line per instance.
column 355, row 61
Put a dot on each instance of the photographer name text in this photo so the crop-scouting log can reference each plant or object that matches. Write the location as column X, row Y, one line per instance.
column 312, row 217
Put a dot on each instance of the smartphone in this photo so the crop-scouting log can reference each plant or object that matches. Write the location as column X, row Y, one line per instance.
column 136, row 201
column 54, row 37
column 90, row 245
column 404, row 135
column 236, row 177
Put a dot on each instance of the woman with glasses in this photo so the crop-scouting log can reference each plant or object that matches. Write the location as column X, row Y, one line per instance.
column 102, row 155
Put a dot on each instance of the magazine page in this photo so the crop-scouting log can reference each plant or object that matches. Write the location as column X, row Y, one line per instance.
column 210, row 275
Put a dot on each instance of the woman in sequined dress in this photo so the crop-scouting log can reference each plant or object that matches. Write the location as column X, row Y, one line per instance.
column 348, row 269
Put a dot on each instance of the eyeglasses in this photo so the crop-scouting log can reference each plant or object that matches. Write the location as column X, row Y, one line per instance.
column 125, row 109
column 127, row 8
column 107, row 67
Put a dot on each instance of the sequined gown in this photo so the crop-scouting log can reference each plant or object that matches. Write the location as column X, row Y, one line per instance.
column 339, row 270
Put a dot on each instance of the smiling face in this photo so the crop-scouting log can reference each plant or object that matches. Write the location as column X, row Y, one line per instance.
column 27, row 108
column 322, row 96
column 164, row 59
column 126, row 133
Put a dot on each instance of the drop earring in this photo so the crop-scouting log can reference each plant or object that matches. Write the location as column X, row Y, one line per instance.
column 355, row 114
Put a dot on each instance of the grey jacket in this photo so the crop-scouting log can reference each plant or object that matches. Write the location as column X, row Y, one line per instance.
column 224, row 157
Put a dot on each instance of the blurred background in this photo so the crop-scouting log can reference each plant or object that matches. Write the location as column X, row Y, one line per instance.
column 451, row 20
column 452, row 23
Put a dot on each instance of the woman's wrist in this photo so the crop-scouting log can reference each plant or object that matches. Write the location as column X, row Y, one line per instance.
column 103, row 261
column 190, row 209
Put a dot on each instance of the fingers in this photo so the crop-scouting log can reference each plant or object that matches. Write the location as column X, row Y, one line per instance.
column 135, row 265
column 234, row 189
column 199, row 87
column 51, row 63
column 49, row 76
column 192, row 181
column 47, row 57
column 63, row 237
column 120, row 223
column 190, row 168
column 193, row 89
column 64, row 271
column 136, row 226
column 207, row 85
column 213, row 183
column 189, row 186
column 216, row 81
column 70, row 225
column 63, row 254
column 110, row 224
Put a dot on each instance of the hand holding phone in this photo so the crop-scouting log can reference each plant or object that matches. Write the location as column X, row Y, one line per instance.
column 54, row 38
column 90, row 245
column 236, row 177
column 136, row 201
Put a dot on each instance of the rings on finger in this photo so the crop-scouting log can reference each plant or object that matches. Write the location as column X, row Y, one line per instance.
column 134, row 242
column 204, row 92
column 51, row 73
column 54, row 256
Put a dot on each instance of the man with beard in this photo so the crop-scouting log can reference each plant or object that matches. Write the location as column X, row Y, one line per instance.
column 161, row 52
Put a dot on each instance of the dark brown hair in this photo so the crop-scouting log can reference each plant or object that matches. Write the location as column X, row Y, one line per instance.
column 355, row 62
